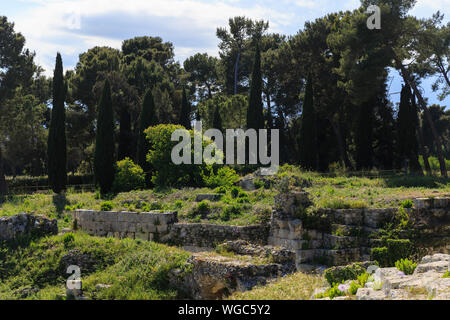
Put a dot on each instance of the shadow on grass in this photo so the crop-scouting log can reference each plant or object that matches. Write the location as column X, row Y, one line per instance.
column 414, row 181
column 60, row 201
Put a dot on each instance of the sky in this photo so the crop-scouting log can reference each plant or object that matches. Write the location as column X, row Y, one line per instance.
column 73, row 26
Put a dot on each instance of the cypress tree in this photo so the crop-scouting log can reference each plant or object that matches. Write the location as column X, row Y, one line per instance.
column 185, row 116
column 255, row 114
column 308, row 157
column 104, row 143
column 407, row 128
column 57, row 149
column 217, row 121
column 147, row 118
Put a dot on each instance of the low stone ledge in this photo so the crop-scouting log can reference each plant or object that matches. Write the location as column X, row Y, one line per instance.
column 24, row 224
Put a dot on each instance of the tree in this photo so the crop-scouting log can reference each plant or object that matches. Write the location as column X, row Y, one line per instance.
column 255, row 115
column 104, row 144
column 407, row 128
column 185, row 115
column 203, row 74
column 217, row 123
column 16, row 68
column 235, row 52
column 147, row 118
column 308, row 131
column 57, row 149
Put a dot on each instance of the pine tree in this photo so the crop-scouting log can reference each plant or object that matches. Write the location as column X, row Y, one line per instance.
column 185, row 116
column 57, row 149
column 255, row 114
column 308, row 132
column 147, row 118
column 104, row 143
column 407, row 144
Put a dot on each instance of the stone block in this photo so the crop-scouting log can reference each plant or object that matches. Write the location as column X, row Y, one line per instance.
column 208, row 196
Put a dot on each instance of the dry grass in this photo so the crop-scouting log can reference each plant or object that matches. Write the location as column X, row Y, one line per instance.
column 298, row 286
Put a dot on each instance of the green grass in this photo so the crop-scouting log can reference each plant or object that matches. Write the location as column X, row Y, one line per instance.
column 298, row 286
column 134, row 269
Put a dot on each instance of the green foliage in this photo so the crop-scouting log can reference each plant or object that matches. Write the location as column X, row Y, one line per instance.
column 129, row 176
column 396, row 249
column 340, row 274
column 231, row 212
column 446, row 275
column 255, row 116
column 380, row 255
column 166, row 173
column 354, row 286
column 225, row 177
column 406, row 266
column 344, row 204
column 104, row 143
column 106, row 206
column 57, row 149
column 362, row 279
column 147, row 118
column 185, row 115
column 406, row 204
column 333, row 292
column 134, row 269
column 308, row 156
column 235, row 191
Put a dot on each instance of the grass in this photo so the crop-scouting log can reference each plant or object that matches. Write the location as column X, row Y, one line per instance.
column 298, row 286
column 133, row 269
column 357, row 192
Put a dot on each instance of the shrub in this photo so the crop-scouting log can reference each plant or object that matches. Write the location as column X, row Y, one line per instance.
column 106, row 206
column 336, row 290
column 166, row 173
column 406, row 266
column 380, row 255
column 396, row 249
column 354, row 286
column 225, row 177
column 68, row 240
column 259, row 183
column 362, row 279
column 129, row 176
column 446, row 275
column 221, row 190
column 408, row 203
column 235, row 191
column 231, row 212
column 340, row 274
column 203, row 207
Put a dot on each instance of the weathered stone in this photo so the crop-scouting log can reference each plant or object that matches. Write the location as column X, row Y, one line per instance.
column 370, row 294
column 24, row 224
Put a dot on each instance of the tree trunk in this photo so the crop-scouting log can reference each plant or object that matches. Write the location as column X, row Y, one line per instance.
column 236, row 71
column 407, row 78
column 421, row 141
column 344, row 157
column 3, row 185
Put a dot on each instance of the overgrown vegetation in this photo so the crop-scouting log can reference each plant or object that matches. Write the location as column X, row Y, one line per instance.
column 131, row 269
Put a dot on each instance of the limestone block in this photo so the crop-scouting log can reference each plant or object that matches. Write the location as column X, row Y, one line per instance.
column 423, row 203
column 142, row 236
column 370, row 294
column 208, row 196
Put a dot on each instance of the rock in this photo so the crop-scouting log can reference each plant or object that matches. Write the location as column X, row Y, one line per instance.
column 247, row 183
column 101, row 286
column 74, row 289
column 65, row 231
column 24, row 224
column 208, row 196
column 370, row 294
column 75, row 258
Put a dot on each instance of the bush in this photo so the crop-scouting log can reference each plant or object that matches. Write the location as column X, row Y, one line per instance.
column 406, row 204
column 354, row 286
column 68, row 240
column 231, row 212
column 129, row 176
column 446, row 275
column 235, row 191
column 340, row 274
column 381, row 256
column 166, row 173
column 225, row 177
column 396, row 249
column 106, row 206
column 406, row 266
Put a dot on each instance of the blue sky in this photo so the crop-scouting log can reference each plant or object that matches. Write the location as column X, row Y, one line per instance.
column 71, row 27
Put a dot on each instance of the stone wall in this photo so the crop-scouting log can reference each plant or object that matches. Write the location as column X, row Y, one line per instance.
column 339, row 237
column 163, row 227
column 24, row 224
